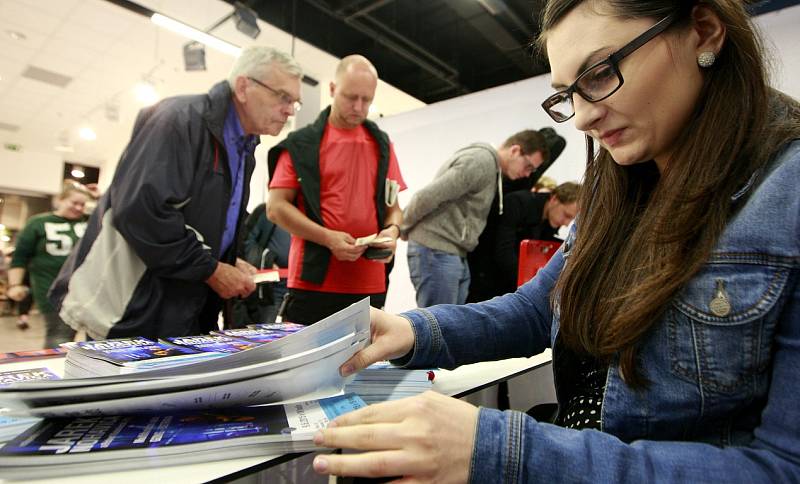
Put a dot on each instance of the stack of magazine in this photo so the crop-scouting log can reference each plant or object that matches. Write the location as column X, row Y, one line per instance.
column 120, row 356
column 128, row 355
column 80, row 445
column 10, row 426
column 381, row 382
column 300, row 366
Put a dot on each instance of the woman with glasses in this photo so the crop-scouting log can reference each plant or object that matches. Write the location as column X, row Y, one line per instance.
column 673, row 309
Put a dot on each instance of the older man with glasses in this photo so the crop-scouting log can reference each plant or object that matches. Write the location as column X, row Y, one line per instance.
column 159, row 254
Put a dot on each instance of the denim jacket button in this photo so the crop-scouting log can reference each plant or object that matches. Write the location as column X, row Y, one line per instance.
column 720, row 306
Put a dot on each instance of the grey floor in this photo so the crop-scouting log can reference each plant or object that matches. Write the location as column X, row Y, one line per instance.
column 13, row 339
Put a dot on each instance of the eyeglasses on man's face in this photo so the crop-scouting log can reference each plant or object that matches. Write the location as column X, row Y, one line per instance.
column 602, row 79
column 284, row 97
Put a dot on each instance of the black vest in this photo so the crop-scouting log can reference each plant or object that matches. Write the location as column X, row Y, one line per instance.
column 303, row 147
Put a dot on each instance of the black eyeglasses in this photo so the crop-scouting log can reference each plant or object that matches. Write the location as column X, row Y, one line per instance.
column 602, row 79
column 285, row 98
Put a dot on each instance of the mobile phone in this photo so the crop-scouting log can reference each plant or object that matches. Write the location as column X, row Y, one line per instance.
column 377, row 253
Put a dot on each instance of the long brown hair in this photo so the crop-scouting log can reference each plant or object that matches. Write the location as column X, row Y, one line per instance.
column 642, row 235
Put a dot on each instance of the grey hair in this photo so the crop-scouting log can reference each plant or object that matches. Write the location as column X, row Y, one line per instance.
column 256, row 60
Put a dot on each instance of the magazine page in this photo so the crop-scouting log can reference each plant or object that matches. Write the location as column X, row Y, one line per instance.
column 24, row 400
column 284, row 327
column 317, row 379
column 214, row 343
column 95, row 444
column 11, row 426
column 127, row 350
column 251, row 334
column 354, row 318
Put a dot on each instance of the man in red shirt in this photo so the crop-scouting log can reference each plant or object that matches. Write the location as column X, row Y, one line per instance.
column 330, row 183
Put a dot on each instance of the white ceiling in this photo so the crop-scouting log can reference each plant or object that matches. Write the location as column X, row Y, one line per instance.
column 107, row 50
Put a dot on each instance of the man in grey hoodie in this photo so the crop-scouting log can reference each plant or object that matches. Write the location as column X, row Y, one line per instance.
column 444, row 219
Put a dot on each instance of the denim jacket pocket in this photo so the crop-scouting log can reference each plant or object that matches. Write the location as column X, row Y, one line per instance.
column 722, row 323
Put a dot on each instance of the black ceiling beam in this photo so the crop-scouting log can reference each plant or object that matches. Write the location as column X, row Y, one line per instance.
column 367, row 9
column 495, row 33
column 502, row 7
column 400, row 45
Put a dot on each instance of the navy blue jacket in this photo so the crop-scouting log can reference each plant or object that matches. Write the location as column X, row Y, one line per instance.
column 155, row 237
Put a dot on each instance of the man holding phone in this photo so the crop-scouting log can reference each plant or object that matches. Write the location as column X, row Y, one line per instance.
column 333, row 186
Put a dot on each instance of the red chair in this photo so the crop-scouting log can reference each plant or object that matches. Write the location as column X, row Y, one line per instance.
column 533, row 255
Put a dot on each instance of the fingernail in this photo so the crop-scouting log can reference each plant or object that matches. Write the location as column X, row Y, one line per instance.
column 347, row 370
column 318, row 438
column 320, row 463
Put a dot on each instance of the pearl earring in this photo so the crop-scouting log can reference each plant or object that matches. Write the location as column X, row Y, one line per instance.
column 706, row 59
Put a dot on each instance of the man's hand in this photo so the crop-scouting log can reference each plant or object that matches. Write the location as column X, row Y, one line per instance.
column 342, row 245
column 17, row 292
column 230, row 282
column 392, row 232
column 246, row 267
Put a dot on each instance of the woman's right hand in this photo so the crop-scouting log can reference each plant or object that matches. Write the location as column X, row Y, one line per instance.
column 392, row 337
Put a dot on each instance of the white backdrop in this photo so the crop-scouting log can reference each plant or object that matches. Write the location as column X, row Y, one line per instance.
column 426, row 137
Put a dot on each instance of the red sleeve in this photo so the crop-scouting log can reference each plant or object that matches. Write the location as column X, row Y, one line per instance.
column 393, row 172
column 284, row 176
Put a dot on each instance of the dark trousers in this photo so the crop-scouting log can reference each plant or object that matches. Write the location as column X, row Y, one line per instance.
column 308, row 307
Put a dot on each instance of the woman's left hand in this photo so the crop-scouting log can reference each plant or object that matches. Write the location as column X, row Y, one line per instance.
column 427, row 438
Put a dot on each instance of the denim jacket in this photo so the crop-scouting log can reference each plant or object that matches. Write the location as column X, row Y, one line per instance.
column 722, row 405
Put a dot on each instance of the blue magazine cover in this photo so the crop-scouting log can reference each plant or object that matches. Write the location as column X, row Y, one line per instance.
column 284, row 327
column 250, row 334
column 81, row 439
column 10, row 427
column 28, row 374
column 127, row 350
column 214, row 342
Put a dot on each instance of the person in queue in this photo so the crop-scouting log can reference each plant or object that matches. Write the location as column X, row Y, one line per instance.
column 673, row 308
column 42, row 247
column 159, row 257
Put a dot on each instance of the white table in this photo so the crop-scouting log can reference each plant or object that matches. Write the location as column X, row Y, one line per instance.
column 459, row 382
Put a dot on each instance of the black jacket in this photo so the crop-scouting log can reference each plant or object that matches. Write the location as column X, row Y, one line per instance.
column 155, row 237
column 493, row 264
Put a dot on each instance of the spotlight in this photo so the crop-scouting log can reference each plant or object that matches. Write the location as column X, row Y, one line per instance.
column 245, row 19
column 77, row 172
column 87, row 133
column 194, row 56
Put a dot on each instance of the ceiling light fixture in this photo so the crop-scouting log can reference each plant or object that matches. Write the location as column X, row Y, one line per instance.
column 87, row 133
column 146, row 93
column 194, row 34
column 246, row 20
column 194, row 56
column 77, row 172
